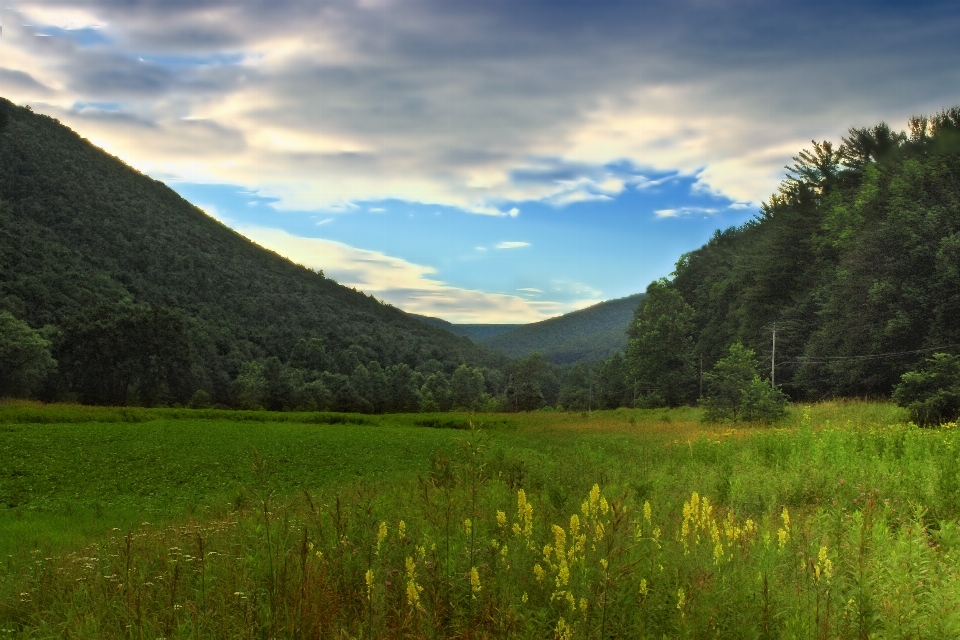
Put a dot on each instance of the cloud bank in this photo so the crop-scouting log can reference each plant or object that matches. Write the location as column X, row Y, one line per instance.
column 474, row 103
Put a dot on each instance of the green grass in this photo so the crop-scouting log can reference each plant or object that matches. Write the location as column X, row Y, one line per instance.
column 281, row 545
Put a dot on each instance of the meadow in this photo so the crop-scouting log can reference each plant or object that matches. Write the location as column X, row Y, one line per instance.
column 838, row 522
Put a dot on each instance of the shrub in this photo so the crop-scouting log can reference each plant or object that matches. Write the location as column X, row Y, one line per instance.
column 735, row 390
column 931, row 395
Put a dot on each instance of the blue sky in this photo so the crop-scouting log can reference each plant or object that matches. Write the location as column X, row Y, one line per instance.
column 481, row 161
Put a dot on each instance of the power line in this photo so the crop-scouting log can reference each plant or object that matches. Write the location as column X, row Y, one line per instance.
column 874, row 356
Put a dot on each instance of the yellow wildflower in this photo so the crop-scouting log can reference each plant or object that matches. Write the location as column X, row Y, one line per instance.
column 468, row 526
column 402, row 529
column 381, row 535
column 583, row 605
column 643, row 587
column 501, row 519
column 369, row 580
column 824, row 566
column 681, row 599
column 563, row 630
column 474, row 582
column 539, row 573
column 524, row 597
column 647, row 511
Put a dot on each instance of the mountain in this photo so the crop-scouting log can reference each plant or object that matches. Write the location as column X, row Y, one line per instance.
column 589, row 334
column 108, row 259
column 475, row 332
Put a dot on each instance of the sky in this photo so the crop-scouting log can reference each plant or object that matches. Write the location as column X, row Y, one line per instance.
column 482, row 161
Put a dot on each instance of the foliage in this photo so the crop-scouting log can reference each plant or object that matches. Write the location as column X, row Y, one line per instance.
column 660, row 354
column 25, row 359
column 736, row 392
column 932, row 394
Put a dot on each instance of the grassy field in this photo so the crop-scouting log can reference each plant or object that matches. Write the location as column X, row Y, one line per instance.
column 838, row 522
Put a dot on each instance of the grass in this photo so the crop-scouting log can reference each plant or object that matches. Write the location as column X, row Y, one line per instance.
column 841, row 521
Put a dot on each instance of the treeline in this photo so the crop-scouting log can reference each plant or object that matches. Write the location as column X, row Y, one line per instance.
column 142, row 355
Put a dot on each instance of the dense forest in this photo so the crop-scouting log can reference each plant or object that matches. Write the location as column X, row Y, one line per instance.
column 854, row 262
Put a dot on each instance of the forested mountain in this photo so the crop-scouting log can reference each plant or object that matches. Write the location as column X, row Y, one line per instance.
column 589, row 334
column 144, row 298
column 475, row 332
column 855, row 261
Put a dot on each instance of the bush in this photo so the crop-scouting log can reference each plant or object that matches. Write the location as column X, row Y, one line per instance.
column 735, row 391
column 931, row 395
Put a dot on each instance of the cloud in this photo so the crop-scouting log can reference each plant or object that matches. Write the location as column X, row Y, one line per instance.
column 409, row 286
column 683, row 212
column 512, row 245
column 325, row 221
column 320, row 104
column 530, row 290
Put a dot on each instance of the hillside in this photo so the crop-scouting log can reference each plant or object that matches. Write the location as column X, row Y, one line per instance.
column 589, row 334
column 855, row 261
column 110, row 260
column 475, row 332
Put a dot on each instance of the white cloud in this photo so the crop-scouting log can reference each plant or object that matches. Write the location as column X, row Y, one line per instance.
column 411, row 287
column 685, row 212
column 512, row 245
column 529, row 290
column 325, row 221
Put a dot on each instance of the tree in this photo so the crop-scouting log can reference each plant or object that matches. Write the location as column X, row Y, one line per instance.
column 25, row 359
column 736, row 392
column 466, row 387
column 524, row 393
column 660, row 348
column 932, row 394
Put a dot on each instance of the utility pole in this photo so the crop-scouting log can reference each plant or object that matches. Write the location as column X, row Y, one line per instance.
column 773, row 355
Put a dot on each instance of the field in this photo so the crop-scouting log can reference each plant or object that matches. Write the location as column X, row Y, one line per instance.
column 839, row 522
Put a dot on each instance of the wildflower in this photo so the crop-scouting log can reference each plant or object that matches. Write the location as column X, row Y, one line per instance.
column 824, row 566
column 782, row 537
column 563, row 631
column 524, row 597
column 563, row 575
column 647, row 511
column 501, row 519
column 468, row 526
column 539, row 573
column 381, row 535
column 604, row 564
column 413, row 589
column 474, row 582
column 681, row 599
column 643, row 587
column 402, row 529
column 369, row 579
column 583, row 605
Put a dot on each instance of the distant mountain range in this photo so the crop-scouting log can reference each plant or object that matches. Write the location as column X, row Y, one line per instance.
column 475, row 332
column 590, row 334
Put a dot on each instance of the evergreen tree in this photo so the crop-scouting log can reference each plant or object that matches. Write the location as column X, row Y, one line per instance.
column 660, row 353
